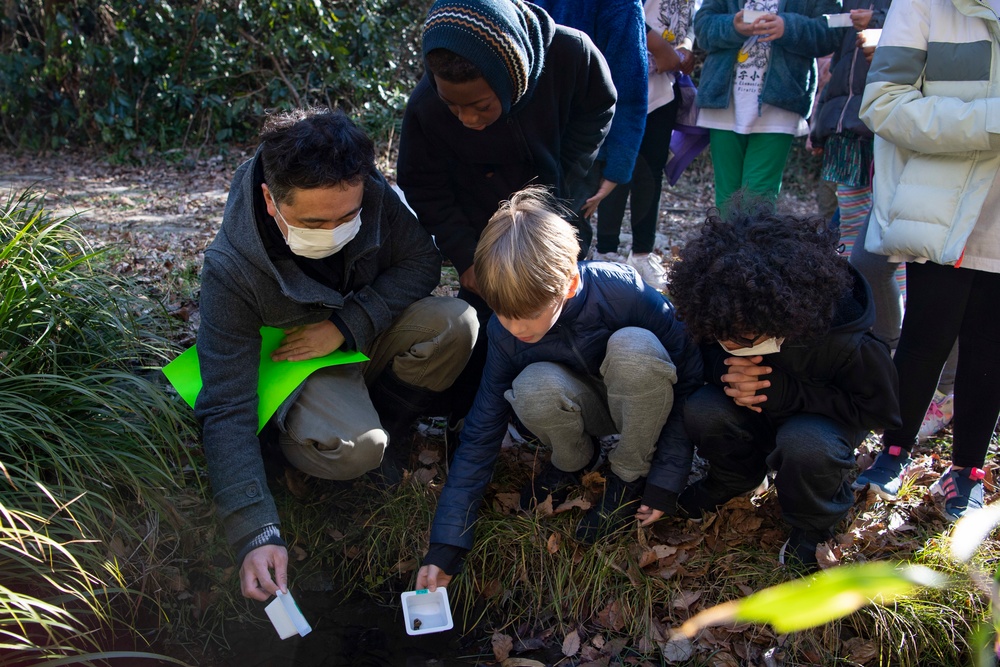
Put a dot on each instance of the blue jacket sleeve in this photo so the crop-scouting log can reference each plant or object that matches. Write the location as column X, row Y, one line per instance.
column 807, row 34
column 713, row 26
column 621, row 37
column 472, row 468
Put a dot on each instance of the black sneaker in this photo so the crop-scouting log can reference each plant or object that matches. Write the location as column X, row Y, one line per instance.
column 613, row 511
column 395, row 462
column 799, row 550
column 550, row 481
column 699, row 498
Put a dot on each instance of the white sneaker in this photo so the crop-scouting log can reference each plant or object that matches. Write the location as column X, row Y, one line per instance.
column 608, row 257
column 939, row 415
column 649, row 267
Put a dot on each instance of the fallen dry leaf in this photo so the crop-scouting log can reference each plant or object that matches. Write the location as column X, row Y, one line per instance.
column 611, row 617
column 571, row 644
column 429, row 456
column 502, row 645
column 553, row 543
column 859, row 650
column 508, row 502
column 826, row 556
column 492, row 588
column 677, row 650
column 575, row 503
column 724, row 659
column 544, row 508
column 425, row 476
column 295, row 480
column 593, row 481
column 404, row 566
column 664, row 550
column 684, row 599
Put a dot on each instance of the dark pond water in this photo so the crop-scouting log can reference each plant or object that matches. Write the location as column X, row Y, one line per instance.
column 359, row 633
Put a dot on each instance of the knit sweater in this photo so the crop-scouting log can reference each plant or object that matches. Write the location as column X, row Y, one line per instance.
column 618, row 29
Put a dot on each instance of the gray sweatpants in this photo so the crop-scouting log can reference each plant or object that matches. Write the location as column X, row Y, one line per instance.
column 633, row 397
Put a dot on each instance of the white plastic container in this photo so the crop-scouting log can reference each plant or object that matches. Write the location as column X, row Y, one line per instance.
column 871, row 36
column 839, row 20
column 286, row 617
column 425, row 612
column 751, row 15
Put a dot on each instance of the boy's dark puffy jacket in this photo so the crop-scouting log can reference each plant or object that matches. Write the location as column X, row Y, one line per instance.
column 840, row 100
column 612, row 297
column 848, row 375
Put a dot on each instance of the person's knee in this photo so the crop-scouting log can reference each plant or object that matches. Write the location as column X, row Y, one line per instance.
column 452, row 325
column 811, row 444
column 461, row 323
column 536, row 391
column 337, row 459
column 450, row 328
column 636, row 357
column 706, row 410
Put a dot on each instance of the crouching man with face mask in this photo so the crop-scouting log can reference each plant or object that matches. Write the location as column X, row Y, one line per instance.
column 315, row 242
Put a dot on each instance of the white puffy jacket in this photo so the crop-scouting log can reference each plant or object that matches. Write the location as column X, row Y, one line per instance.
column 933, row 100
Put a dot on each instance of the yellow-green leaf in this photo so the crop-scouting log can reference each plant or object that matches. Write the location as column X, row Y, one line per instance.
column 821, row 598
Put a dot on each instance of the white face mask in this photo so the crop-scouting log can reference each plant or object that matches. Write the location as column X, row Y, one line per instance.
column 320, row 243
column 769, row 346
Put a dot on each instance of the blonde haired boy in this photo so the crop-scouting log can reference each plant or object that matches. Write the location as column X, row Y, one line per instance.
column 577, row 351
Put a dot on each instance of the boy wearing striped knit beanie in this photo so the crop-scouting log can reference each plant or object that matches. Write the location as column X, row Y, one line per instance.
column 508, row 99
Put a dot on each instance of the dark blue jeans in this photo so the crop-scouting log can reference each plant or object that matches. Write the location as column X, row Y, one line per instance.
column 813, row 456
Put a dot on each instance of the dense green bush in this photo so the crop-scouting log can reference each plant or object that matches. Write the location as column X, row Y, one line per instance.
column 161, row 75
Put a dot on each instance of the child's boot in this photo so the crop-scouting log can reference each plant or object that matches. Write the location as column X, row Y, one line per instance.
column 962, row 491
column 616, row 507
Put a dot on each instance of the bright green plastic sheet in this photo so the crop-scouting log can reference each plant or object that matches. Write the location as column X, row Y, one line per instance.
column 277, row 379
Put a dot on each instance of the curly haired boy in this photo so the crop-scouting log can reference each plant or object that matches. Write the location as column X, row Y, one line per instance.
column 795, row 377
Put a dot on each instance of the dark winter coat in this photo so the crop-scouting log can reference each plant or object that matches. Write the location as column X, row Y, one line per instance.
column 848, row 375
column 454, row 178
column 840, row 100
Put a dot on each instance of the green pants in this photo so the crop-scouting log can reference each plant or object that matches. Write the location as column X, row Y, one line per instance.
column 752, row 161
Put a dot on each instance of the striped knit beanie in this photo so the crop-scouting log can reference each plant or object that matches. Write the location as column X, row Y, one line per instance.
column 505, row 39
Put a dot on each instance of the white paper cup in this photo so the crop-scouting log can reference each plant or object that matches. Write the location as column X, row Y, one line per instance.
column 839, row 20
column 425, row 611
column 871, row 36
column 751, row 15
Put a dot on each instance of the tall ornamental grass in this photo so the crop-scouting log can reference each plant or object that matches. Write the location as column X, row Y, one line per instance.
column 91, row 448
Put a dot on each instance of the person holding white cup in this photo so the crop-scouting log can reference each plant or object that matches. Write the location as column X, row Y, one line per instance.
column 757, row 84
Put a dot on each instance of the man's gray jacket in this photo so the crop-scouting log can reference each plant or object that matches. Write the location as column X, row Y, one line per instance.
column 389, row 265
